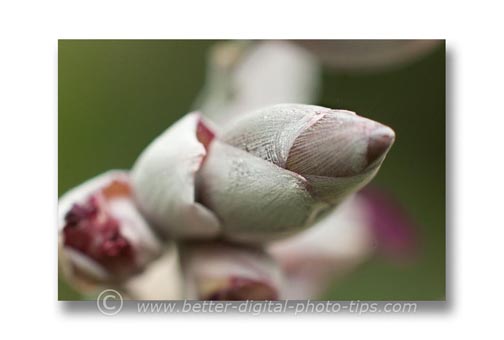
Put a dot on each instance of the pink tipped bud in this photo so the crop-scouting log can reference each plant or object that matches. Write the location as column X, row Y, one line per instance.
column 273, row 171
column 337, row 151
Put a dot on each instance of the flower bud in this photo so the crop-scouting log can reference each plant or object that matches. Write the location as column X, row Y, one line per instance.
column 312, row 140
column 163, row 180
column 276, row 169
column 103, row 237
column 219, row 271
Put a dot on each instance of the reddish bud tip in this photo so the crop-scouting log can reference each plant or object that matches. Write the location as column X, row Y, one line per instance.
column 204, row 134
column 380, row 140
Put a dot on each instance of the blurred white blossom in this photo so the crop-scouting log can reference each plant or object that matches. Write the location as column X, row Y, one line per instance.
column 220, row 271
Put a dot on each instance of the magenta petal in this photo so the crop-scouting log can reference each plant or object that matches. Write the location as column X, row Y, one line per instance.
column 395, row 231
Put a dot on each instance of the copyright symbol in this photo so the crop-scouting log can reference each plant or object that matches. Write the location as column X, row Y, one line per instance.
column 109, row 302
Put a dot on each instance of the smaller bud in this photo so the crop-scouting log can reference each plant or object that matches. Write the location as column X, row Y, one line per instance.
column 163, row 180
column 219, row 271
column 103, row 236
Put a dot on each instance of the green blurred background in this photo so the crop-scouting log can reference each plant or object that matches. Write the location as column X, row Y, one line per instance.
column 116, row 96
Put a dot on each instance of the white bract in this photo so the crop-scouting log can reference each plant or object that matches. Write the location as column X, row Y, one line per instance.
column 163, row 179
